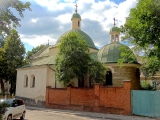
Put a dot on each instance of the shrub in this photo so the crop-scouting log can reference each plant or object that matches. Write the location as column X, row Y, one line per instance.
column 146, row 86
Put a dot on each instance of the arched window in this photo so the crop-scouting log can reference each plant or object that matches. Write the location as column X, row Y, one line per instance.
column 26, row 81
column 116, row 37
column 78, row 23
column 112, row 37
column 109, row 78
column 32, row 84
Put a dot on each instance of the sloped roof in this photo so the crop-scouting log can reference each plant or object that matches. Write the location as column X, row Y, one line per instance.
column 49, row 60
column 42, row 52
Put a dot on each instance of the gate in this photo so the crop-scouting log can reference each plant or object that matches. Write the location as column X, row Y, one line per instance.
column 146, row 103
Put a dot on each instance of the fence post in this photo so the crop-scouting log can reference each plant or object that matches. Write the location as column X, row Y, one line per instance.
column 47, row 96
column 69, row 95
column 127, row 97
column 96, row 96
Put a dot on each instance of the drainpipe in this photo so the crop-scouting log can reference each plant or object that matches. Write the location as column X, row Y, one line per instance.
column 54, row 71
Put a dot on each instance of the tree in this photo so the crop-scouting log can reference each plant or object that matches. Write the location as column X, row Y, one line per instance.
column 7, row 19
column 142, row 29
column 29, row 54
column 14, row 52
column 73, row 59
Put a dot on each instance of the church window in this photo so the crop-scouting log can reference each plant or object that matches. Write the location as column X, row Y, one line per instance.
column 32, row 81
column 112, row 37
column 108, row 78
column 78, row 24
column 116, row 37
column 26, row 81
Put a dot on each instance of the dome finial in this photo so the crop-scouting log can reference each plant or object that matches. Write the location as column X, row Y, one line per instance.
column 114, row 21
column 76, row 8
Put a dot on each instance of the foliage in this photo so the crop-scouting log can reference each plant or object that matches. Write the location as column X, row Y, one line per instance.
column 7, row 19
column 3, row 106
column 74, row 61
column 97, row 71
column 146, row 86
column 13, row 57
column 127, row 55
column 29, row 54
column 10, row 56
column 142, row 28
column 152, row 66
column 73, row 58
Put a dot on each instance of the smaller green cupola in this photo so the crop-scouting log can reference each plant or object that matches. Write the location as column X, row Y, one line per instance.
column 115, row 29
column 114, row 33
column 76, row 15
column 76, row 20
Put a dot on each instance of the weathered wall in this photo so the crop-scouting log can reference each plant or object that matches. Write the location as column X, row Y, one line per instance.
column 98, row 99
column 32, row 95
column 127, row 72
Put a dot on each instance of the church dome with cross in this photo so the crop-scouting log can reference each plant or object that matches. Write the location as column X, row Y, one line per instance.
column 76, row 27
column 111, row 53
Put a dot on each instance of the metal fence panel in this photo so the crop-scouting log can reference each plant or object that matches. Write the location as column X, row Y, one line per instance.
column 146, row 103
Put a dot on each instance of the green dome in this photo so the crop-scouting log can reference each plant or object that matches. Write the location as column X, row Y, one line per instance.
column 110, row 53
column 76, row 15
column 86, row 37
column 114, row 29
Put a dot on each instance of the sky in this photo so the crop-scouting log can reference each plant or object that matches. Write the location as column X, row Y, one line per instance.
column 49, row 19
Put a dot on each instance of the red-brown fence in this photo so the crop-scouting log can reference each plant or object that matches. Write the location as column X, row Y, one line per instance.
column 115, row 100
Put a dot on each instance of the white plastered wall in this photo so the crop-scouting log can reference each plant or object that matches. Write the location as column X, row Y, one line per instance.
column 38, row 92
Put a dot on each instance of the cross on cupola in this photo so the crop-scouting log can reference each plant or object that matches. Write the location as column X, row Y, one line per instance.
column 114, row 21
column 114, row 33
column 76, row 20
column 76, row 8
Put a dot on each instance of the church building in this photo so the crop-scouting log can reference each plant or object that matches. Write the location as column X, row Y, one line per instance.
column 33, row 79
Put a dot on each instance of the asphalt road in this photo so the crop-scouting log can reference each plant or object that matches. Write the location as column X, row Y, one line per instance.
column 34, row 113
column 56, row 115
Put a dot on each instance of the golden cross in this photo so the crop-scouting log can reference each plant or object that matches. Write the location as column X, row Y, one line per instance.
column 76, row 8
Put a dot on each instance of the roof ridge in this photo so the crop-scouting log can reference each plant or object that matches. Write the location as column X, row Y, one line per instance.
column 40, row 51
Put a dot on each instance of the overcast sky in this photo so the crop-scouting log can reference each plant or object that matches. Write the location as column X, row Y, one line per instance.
column 51, row 18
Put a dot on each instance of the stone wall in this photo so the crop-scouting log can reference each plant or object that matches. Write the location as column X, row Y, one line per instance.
column 104, row 99
column 119, row 74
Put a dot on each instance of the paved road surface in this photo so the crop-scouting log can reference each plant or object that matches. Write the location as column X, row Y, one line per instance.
column 34, row 113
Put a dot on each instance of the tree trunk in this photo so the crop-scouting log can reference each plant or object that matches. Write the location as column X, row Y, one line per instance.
column 2, row 85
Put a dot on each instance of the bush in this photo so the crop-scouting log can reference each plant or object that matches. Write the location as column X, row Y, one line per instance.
column 146, row 86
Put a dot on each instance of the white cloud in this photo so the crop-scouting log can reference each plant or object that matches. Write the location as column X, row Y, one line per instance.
column 34, row 20
column 99, row 17
column 64, row 18
column 35, row 40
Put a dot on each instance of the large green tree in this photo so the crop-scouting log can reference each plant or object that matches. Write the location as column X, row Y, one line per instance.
column 13, row 56
column 142, row 29
column 74, row 61
column 7, row 19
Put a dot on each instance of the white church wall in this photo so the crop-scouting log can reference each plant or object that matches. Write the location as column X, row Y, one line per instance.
column 32, row 95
